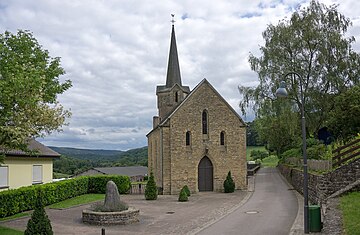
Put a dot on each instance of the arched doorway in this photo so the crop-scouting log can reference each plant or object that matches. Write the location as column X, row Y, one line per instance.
column 205, row 175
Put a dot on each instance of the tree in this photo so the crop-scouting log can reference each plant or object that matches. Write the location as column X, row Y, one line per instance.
column 229, row 184
column 183, row 196
column 39, row 222
column 312, row 43
column 29, row 85
column 344, row 120
column 151, row 191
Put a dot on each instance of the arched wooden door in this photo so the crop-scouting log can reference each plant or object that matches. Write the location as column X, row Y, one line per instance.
column 205, row 175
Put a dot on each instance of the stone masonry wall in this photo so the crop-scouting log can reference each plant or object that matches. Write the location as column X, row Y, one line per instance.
column 320, row 187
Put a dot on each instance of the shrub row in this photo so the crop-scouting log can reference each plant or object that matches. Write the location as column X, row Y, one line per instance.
column 14, row 201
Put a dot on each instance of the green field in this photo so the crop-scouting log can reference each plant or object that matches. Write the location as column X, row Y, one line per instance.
column 9, row 231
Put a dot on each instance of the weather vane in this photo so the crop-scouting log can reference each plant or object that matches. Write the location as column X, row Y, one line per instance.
column 172, row 20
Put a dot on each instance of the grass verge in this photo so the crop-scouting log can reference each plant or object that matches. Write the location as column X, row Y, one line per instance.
column 350, row 205
column 22, row 214
column 10, row 231
column 79, row 200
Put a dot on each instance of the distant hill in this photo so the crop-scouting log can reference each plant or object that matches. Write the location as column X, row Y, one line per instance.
column 89, row 154
column 101, row 155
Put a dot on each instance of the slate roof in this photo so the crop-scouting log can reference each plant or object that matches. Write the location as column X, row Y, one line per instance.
column 38, row 149
column 125, row 170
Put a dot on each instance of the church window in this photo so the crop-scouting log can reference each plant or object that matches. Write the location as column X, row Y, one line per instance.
column 222, row 138
column 176, row 96
column 188, row 138
column 205, row 122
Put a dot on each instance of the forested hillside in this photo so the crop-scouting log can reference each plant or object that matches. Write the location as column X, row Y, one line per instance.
column 74, row 160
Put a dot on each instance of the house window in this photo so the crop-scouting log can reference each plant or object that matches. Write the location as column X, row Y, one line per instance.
column 188, row 138
column 37, row 174
column 222, row 138
column 4, row 177
column 204, row 122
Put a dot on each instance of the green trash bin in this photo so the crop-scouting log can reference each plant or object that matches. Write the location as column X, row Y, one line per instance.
column 315, row 224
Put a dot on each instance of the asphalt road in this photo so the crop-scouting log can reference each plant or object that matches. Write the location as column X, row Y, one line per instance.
column 272, row 209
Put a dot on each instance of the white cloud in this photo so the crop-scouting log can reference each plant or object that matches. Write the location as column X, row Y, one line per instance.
column 115, row 52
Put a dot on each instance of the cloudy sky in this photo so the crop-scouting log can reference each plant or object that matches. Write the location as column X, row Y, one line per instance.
column 115, row 52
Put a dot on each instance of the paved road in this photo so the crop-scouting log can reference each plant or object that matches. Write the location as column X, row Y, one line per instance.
column 272, row 209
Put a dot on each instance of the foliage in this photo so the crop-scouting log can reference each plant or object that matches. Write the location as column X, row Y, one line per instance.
column 294, row 152
column 187, row 190
column 344, row 120
column 249, row 149
column 183, row 196
column 151, row 191
column 259, row 154
column 99, row 206
column 14, row 201
column 312, row 43
column 350, row 205
column 229, row 184
column 270, row 161
column 252, row 136
column 39, row 222
column 29, row 85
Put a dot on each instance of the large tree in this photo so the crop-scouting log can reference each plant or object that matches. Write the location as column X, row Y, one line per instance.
column 312, row 43
column 29, row 85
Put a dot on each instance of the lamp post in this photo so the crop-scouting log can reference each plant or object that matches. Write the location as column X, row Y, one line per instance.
column 281, row 92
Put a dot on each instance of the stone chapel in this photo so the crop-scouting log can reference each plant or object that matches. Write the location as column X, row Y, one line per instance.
column 197, row 137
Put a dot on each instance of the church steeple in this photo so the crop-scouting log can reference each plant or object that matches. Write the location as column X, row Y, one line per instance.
column 170, row 95
column 173, row 72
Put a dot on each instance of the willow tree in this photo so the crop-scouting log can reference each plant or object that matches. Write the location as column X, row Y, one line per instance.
column 312, row 43
column 29, row 85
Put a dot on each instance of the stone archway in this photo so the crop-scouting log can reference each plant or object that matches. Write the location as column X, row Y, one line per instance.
column 205, row 175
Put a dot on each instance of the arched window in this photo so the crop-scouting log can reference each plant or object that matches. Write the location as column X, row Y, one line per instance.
column 222, row 138
column 188, row 138
column 204, row 122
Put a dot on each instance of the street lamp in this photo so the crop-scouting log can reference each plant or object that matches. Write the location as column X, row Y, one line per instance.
column 281, row 92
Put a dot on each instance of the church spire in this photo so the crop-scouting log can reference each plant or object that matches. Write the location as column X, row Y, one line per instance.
column 173, row 72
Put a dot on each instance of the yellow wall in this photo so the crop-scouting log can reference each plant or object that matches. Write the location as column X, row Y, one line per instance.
column 20, row 170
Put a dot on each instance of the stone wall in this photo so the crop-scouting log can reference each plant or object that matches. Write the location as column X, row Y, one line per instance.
column 111, row 218
column 320, row 187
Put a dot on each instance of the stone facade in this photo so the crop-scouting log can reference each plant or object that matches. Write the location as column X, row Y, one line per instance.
column 175, row 164
column 111, row 218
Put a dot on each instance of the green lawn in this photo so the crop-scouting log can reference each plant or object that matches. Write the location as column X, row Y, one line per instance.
column 9, row 231
column 350, row 205
column 270, row 161
column 22, row 214
column 79, row 200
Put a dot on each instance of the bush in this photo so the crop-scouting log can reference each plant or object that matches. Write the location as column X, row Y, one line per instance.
column 183, row 196
column 187, row 190
column 39, row 222
column 259, row 154
column 151, row 188
column 229, row 184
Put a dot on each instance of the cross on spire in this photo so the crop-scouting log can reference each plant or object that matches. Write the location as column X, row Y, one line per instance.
column 172, row 20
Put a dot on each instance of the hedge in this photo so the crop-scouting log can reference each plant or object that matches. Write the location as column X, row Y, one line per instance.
column 14, row 201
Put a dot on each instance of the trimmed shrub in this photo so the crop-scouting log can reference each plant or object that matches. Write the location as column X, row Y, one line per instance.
column 97, row 184
column 187, row 190
column 151, row 192
column 39, row 222
column 183, row 197
column 14, row 201
column 229, row 184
